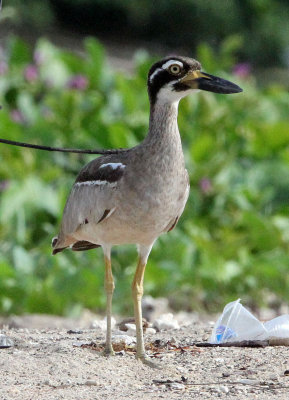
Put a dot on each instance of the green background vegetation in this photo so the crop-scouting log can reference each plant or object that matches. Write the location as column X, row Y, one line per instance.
column 232, row 240
column 262, row 24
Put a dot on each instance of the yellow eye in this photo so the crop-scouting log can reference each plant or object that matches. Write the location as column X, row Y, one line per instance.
column 175, row 69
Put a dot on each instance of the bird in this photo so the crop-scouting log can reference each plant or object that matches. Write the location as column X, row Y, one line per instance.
column 136, row 194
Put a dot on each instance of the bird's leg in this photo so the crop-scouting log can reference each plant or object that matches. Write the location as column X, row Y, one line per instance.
column 109, row 288
column 137, row 293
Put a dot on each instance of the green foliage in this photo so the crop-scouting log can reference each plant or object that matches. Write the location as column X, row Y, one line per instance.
column 261, row 24
column 232, row 240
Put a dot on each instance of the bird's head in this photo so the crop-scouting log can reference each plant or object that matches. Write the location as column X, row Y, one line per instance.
column 175, row 77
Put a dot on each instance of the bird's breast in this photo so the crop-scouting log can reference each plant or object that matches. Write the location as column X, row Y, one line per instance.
column 156, row 197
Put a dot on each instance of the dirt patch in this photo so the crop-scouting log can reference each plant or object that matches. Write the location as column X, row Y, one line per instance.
column 66, row 363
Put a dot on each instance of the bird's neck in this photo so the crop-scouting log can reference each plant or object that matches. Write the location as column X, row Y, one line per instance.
column 163, row 126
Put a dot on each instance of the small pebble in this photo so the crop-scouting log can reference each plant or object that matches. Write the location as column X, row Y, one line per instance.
column 166, row 322
column 91, row 383
column 102, row 323
column 151, row 331
column 177, row 386
column 131, row 329
column 5, row 342
column 249, row 381
column 75, row 331
column 80, row 343
column 286, row 373
column 224, row 389
column 127, row 340
column 225, row 374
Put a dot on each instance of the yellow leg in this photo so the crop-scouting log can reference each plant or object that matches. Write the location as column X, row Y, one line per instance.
column 109, row 288
column 137, row 293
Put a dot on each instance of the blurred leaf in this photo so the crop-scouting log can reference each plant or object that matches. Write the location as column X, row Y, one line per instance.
column 232, row 240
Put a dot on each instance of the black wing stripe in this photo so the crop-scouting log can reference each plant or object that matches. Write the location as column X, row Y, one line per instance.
column 83, row 245
column 110, row 172
column 105, row 214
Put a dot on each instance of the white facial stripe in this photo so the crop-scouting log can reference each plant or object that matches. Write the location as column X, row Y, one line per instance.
column 171, row 62
column 113, row 165
column 165, row 66
column 154, row 73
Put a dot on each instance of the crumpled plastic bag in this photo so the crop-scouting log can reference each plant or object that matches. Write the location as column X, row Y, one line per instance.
column 237, row 324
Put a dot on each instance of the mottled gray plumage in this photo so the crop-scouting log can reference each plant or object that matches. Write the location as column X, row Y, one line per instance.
column 146, row 198
column 136, row 195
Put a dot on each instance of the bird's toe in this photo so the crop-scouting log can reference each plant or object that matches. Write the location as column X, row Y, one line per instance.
column 108, row 351
column 147, row 361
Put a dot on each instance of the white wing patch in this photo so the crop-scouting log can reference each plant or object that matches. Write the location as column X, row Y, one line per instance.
column 113, row 165
column 96, row 183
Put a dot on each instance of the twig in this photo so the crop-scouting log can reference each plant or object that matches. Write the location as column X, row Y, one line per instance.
column 60, row 149
column 244, row 343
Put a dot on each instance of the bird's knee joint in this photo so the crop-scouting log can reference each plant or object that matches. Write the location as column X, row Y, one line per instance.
column 137, row 291
column 109, row 287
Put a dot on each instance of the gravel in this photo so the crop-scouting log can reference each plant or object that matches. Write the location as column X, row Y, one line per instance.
column 66, row 363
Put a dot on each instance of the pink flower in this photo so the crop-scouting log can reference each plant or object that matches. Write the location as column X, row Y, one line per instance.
column 205, row 185
column 242, row 70
column 38, row 57
column 3, row 67
column 17, row 116
column 4, row 185
column 79, row 82
column 31, row 73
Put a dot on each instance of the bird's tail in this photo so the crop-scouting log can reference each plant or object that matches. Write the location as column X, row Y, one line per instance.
column 80, row 245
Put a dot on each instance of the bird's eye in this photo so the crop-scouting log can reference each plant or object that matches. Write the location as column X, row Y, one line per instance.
column 175, row 69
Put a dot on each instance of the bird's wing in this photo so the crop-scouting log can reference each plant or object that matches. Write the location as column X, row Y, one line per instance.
column 92, row 198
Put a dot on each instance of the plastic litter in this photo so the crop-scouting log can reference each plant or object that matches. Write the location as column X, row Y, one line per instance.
column 237, row 324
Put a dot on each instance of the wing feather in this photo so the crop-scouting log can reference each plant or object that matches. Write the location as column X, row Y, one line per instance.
column 92, row 198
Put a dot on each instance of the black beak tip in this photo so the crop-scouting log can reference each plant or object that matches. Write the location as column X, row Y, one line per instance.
column 218, row 85
column 236, row 89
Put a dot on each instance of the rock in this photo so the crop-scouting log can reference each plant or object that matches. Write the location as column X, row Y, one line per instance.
column 131, row 329
column 166, row 322
column 91, row 383
column 5, row 342
column 102, row 323
column 75, row 331
column 152, row 308
column 225, row 374
column 177, row 386
column 123, row 325
column 125, row 339
column 150, row 331
column 249, row 381
column 81, row 343
column 224, row 389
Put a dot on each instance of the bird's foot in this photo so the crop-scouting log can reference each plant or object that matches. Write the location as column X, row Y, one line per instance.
column 147, row 361
column 108, row 351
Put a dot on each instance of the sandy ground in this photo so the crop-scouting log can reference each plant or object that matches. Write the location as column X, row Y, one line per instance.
column 55, row 363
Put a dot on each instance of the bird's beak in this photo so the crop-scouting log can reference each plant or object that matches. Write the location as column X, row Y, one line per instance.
column 211, row 83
